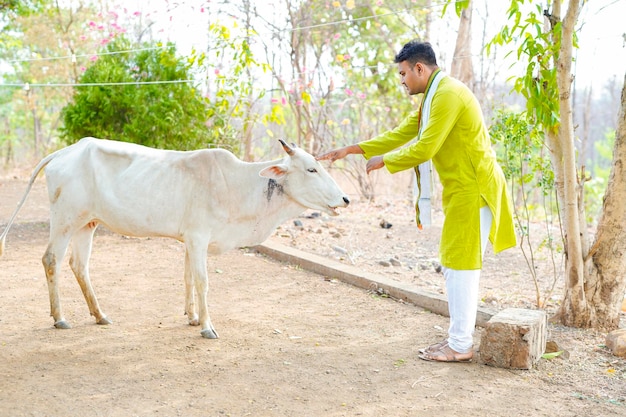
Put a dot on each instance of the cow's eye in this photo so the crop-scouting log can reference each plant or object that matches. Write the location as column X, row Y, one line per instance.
column 312, row 170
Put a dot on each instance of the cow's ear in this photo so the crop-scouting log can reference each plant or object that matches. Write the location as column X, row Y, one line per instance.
column 274, row 172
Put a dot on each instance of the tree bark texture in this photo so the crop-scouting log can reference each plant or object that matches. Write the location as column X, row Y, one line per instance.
column 461, row 67
column 606, row 263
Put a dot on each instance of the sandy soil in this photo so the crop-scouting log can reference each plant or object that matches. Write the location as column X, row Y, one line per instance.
column 292, row 343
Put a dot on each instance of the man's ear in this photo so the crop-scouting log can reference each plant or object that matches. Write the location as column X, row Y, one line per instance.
column 274, row 172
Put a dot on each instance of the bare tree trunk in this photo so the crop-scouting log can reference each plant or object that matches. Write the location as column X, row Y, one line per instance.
column 32, row 106
column 583, row 155
column 297, row 58
column 462, row 68
column 606, row 262
column 247, row 121
column 428, row 7
column 584, row 137
column 36, row 131
column 575, row 309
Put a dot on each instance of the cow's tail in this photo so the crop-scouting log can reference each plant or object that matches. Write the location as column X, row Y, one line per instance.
column 33, row 177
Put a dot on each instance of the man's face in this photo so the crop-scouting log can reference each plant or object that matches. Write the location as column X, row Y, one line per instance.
column 414, row 77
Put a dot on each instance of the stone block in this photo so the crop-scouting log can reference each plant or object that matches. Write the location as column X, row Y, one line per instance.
column 616, row 341
column 514, row 338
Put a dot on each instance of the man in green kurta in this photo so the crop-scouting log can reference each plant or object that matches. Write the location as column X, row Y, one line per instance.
column 451, row 132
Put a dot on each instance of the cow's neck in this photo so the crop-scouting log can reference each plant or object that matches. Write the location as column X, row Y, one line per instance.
column 263, row 208
column 275, row 207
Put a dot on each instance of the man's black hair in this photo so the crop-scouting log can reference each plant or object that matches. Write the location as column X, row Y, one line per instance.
column 416, row 51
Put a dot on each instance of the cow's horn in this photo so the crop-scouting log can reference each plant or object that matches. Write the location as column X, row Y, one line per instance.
column 286, row 147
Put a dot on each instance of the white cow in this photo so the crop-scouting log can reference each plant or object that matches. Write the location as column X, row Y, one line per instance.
column 204, row 198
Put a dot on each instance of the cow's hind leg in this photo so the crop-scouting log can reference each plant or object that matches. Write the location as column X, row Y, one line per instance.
column 79, row 262
column 55, row 253
column 190, row 294
column 197, row 265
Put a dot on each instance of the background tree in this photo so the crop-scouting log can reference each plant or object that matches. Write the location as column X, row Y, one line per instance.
column 29, row 38
column 172, row 113
column 605, row 263
column 48, row 48
column 462, row 67
column 527, row 168
column 231, row 70
column 592, row 298
column 342, row 85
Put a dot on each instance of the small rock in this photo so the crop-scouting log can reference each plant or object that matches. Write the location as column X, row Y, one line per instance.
column 616, row 341
column 552, row 347
column 491, row 300
column 384, row 263
column 297, row 223
column 385, row 224
column 340, row 249
column 395, row 262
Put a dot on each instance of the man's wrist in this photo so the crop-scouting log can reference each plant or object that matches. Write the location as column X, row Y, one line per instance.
column 355, row 149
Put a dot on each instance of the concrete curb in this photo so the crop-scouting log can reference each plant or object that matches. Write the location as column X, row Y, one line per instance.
column 352, row 275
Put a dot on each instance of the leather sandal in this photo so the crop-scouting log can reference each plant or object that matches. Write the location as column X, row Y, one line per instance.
column 435, row 347
column 446, row 354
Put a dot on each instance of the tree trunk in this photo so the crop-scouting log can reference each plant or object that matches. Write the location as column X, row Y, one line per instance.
column 247, row 120
column 575, row 309
column 36, row 131
column 585, row 140
column 9, row 155
column 428, row 9
column 606, row 263
column 462, row 68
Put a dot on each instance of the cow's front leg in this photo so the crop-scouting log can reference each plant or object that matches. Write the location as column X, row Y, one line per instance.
column 190, row 294
column 198, row 268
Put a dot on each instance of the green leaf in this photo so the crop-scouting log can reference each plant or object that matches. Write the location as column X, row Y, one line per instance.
column 552, row 355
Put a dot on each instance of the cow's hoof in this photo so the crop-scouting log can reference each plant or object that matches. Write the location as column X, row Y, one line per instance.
column 62, row 324
column 104, row 320
column 194, row 322
column 209, row 334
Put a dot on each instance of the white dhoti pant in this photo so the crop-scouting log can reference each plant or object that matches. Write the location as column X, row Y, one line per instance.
column 462, row 289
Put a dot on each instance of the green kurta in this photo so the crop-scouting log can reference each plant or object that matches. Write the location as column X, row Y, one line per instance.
column 457, row 141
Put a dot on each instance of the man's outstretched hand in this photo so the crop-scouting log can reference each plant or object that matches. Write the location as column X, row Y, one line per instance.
column 339, row 153
column 374, row 163
column 333, row 155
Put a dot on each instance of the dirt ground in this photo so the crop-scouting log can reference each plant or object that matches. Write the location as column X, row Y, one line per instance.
column 292, row 343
